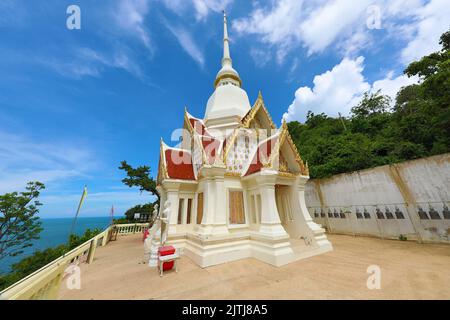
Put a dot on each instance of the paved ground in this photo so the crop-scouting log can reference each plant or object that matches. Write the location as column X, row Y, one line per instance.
column 409, row 271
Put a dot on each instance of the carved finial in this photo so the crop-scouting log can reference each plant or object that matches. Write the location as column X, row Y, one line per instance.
column 260, row 95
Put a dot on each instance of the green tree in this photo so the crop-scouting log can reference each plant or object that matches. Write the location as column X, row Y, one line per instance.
column 422, row 111
column 139, row 177
column 19, row 223
column 417, row 125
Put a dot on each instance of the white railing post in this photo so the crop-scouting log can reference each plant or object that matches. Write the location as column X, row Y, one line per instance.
column 92, row 250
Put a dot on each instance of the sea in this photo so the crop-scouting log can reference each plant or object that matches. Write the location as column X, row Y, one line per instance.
column 55, row 232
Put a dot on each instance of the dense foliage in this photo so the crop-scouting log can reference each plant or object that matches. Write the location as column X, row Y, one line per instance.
column 379, row 132
column 139, row 177
column 19, row 223
column 41, row 258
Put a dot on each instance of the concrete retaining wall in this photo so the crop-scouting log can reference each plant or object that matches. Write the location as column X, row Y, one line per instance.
column 410, row 199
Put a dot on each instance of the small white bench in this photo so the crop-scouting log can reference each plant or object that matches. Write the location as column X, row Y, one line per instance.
column 169, row 258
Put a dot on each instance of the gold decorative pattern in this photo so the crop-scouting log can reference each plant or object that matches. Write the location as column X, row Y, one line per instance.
column 230, row 143
column 227, row 75
column 232, row 174
column 196, row 136
column 287, row 174
column 252, row 113
column 283, row 165
column 162, row 163
column 298, row 158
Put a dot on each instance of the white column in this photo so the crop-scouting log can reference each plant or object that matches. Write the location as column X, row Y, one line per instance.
column 270, row 224
column 220, row 211
column 172, row 193
column 214, row 199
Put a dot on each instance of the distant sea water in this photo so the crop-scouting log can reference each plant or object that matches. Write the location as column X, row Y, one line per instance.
column 55, row 232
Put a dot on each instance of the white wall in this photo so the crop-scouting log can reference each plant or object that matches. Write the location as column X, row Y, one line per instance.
column 406, row 186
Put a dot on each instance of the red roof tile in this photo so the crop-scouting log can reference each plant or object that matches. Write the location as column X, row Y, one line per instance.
column 179, row 164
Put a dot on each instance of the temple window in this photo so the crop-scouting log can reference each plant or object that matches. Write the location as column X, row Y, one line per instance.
column 335, row 214
column 422, row 214
column 330, row 215
column 389, row 214
column 253, row 209
column 434, row 215
column 199, row 208
column 188, row 213
column 180, row 211
column 358, row 214
column 446, row 212
column 380, row 214
column 236, row 207
column 399, row 214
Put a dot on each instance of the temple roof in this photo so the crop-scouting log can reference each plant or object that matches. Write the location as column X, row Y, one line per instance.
column 176, row 163
column 208, row 142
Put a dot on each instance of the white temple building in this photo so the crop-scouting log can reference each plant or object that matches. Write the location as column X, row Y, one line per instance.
column 236, row 182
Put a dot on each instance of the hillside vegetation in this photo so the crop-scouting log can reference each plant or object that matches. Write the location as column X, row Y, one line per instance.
column 380, row 131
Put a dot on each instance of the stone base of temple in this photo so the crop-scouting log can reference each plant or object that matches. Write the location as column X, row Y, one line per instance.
column 213, row 250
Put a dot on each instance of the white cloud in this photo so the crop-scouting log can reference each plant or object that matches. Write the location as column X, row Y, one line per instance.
column 260, row 57
column 130, row 16
column 390, row 85
column 202, row 8
column 279, row 26
column 87, row 62
column 23, row 160
column 187, row 42
column 342, row 24
column 336, row 90
column 290, row 23
column 340, row 89
column 60, row 166
column 331, row 21
column 96, row 203
column 433, row 20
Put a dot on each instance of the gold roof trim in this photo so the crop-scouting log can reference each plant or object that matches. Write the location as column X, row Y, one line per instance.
column 162, row 163
column 298, row 158
column 256, row 107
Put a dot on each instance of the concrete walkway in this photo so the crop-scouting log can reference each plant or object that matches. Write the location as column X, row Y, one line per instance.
column 408, row 271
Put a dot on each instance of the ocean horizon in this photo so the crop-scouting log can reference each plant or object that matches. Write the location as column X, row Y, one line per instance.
column 55, row 232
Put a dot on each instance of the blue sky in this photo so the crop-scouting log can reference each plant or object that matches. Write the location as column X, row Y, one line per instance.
column 74, row 103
